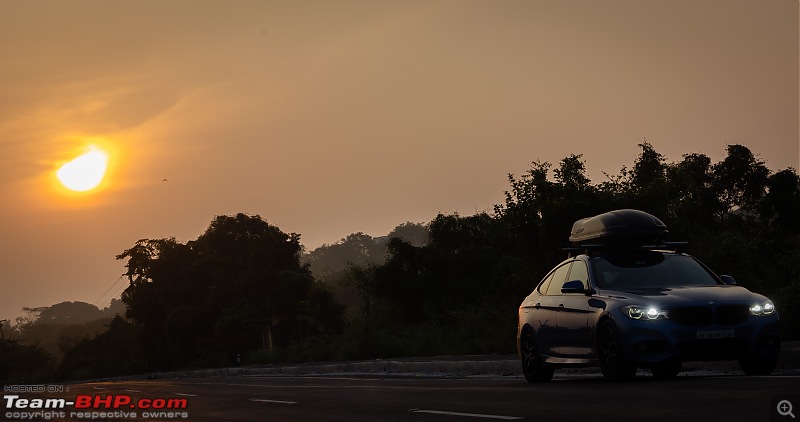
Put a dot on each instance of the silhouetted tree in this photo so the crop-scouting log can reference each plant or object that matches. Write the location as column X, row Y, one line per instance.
column 363, row 280
column 694, row 205
column 328, row 261
column 780, row 207
column 741, row 179
column 648, row 182
column 115, row 352
column 22, row 364
column 328, row 264
column 239, row 285
column 415, row 234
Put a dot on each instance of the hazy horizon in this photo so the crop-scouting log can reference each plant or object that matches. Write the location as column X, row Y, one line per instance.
column 329, row 118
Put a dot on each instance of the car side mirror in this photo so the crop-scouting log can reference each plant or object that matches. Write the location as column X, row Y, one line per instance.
column 574, row 286
column 728, row 280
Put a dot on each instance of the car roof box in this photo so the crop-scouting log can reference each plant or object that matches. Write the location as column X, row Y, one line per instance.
column 620, row 227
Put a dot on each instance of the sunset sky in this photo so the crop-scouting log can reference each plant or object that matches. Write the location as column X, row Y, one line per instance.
column 333, row 117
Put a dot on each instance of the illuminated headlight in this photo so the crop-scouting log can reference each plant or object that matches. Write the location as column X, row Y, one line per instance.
column 642, row 312
column 763, row 308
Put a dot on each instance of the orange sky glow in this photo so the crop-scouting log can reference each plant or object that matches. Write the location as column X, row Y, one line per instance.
column 334, row 117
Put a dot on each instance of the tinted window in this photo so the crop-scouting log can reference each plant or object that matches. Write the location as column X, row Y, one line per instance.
column 579, row 272
column 650, row 270
column 543, row 285
column 558, row 280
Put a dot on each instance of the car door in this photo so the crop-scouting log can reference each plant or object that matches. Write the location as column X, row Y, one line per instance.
column 572, row 320
column 545, row 312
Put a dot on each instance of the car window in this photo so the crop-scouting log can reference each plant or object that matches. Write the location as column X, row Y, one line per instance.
column 558, row 280
column 542, row 289
column 579, row 272
column 649, row 270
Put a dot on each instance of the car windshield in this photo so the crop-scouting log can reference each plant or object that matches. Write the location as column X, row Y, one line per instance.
column 651, row 270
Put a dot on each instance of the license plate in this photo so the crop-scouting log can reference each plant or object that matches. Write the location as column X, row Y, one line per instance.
column 712, row 334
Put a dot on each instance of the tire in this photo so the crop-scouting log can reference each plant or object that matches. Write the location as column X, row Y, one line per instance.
column 757, row 365
column 609, row 352
column 532, row 366
column 667, row 370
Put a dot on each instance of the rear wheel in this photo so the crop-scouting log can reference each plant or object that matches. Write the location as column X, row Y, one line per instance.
column 609, row 352
column 666, row 370
column 532, row 366
column 757, row 365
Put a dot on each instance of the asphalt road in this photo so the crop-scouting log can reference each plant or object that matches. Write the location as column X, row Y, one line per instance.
column 368, row 398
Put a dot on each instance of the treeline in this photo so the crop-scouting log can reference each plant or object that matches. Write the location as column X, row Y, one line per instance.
column 460, row 292
column 243, row 290
column 32, row 348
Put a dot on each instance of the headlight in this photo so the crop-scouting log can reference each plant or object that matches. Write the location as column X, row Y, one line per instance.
column 763, row 308
column 642, row 312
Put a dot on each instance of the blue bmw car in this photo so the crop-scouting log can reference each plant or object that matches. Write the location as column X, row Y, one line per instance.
column 624, row 299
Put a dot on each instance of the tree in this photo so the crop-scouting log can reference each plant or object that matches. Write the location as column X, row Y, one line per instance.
column 115, row 352
column 781, row 204
column 21, row 364
column 741, row 179
column 524, row 207
column 415, row 234
column 693, row 204
column 67, row 312
column 243, row 275
column 364, row 280
column 648, row 181
column 571, row 173
column 329, row 261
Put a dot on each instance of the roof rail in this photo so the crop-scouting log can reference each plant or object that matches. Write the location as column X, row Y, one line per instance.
column 672, row 246
column 589, row 249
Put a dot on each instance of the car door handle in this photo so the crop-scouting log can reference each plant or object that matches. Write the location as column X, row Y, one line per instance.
column 537, row 305
column 560, row 306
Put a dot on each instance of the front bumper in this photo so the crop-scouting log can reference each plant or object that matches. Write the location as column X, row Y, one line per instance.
column 653, row 342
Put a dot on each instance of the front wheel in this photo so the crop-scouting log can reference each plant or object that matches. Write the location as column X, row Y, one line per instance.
column 532, row 366
column 609, row 352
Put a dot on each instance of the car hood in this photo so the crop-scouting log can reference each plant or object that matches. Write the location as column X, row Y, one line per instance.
column 685, row 294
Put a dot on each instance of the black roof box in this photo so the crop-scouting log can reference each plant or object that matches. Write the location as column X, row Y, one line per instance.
column 620, row 227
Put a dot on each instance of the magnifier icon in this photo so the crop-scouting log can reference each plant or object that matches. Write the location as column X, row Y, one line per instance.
column 785, row 408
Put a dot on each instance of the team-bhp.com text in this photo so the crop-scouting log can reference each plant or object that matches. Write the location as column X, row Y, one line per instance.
column 94, row 407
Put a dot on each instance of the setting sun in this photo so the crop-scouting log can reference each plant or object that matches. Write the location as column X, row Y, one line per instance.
column 84, row 172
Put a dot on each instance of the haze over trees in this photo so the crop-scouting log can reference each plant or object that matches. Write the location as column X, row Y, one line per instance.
column 39, row 340
column 330, row 264
column 452, row 286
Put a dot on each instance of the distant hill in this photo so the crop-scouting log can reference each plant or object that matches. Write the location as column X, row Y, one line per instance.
column 58, row 327
column 75, row 312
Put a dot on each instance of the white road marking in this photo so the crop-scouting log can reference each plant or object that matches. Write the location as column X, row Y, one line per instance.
column 470, row 415
column 185, row 394
column 274, row 401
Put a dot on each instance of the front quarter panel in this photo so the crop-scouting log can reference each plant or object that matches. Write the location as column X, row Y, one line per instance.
column 539, row 313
